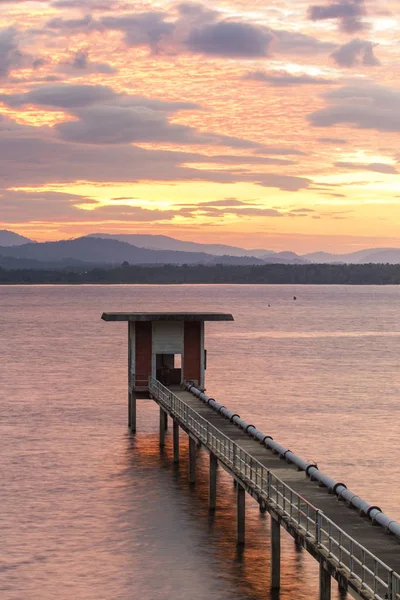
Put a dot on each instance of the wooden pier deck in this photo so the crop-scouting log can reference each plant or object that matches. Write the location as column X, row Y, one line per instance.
column 363, row 558
column 361, row 552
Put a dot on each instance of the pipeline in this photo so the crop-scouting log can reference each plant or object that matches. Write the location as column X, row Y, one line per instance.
column 374, row 513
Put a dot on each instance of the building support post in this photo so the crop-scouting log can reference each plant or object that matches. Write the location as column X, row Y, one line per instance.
column 212, row 495
column 129, row 375
column 275, row 554
column 192, row 460
column 240, row 514
column 324, row 582
column 165, row 421
column 162, row 428
column 176, row 440
column 132, row 412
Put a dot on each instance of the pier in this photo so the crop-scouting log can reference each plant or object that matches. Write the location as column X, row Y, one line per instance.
column 353, row 542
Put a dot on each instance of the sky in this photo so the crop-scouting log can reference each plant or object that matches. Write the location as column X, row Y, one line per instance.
column 262, row 124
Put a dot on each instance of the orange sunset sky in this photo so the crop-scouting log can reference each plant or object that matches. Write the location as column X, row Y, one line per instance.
column 262, row 124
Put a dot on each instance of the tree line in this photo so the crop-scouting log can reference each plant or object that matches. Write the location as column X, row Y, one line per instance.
column 336, row 274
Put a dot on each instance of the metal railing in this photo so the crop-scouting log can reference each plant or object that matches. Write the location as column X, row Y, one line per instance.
column 356, row 562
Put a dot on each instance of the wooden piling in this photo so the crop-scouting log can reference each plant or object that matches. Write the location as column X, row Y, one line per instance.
column 212, row 495
column 192, row 460
column 175, row 431
column 132, row 412
column 162, row 428
column 324, row 582
column 240, row 514
column 275, row 554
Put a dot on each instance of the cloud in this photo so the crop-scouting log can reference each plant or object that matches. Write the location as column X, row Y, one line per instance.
column 92, row 5
column 21, row 207
column 199, row 30
column 32, row 156
column 356, row 52
column 82, row 25
column 147, row 28
column 80, row 62
column 329, row 140
column 364, row 106
column 284, row 182
column 295, row 43
column 347, row 12
column 285, row 79
column 125, row 125
column 105, row 117
column 228, row 159
column 230, row 39
column 73, row 96
column 66, row 96
column 280, row 151
column 10, row 56
column 375, row 167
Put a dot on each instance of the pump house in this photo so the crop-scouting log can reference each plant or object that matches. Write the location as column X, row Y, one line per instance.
column 166, row 346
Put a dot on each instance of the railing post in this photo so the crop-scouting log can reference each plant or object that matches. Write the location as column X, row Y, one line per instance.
column 317, row 527
column 212, row 496
column 175, row 430
column 275, row 553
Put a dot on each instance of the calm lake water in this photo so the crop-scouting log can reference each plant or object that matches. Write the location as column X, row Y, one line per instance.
column 90, row 512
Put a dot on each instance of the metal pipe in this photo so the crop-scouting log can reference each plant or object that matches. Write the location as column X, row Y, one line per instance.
column 340, row 489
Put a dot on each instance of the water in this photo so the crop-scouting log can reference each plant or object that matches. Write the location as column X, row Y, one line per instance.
column 90, row 512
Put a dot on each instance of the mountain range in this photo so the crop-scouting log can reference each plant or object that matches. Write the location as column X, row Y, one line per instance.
column 99, row 249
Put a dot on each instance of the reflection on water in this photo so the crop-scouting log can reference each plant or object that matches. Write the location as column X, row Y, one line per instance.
column 90, row 511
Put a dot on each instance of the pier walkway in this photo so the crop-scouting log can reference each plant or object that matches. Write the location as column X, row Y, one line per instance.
column 363, row 558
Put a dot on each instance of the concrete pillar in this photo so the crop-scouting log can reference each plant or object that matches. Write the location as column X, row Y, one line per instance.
column 212, row 496
column 162, row 428
column 132, row 412
column 240, row 514
column 324, row 583
column 275, row 554
column 192, row 460
column 129, row 374
column 165, row 421
column 176, row 440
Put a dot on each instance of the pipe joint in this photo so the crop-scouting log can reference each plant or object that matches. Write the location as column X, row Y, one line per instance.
column 310, row 466
column 370, row 509
column 335, row 487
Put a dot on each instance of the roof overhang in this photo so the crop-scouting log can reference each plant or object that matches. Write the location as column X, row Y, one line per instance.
column 166, row 316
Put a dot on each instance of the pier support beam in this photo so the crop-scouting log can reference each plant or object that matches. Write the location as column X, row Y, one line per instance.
column 176, row 440
column 324, row 583
column 212, row 492
column 132, row 412
column 192, row 460
column 275, row 554
column 240, row 514
column 162, row 427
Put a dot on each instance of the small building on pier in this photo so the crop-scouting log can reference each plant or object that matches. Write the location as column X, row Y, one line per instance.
column 166, row 346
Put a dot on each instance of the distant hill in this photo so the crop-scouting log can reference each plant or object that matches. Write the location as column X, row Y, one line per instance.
column 366, row 256
column 9, row 238
column 287, row 258
column 164, row 242
column 88, row 250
